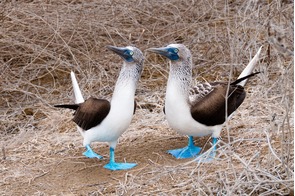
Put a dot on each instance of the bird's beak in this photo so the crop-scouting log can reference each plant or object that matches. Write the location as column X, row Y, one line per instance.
column 162, row 51
column 118, row 50
column 168, row 52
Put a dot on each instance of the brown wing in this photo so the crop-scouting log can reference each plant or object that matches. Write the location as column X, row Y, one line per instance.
column 91, row 113
column 210, row 109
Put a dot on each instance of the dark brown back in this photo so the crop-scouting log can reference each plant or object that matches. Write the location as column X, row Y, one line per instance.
column 91, row 113
column 210, row 110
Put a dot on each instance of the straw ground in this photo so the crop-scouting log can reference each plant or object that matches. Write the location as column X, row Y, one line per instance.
column 42, row 41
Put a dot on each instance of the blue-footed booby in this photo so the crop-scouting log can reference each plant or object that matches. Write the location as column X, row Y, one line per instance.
column 198, row 110
column 104, row 121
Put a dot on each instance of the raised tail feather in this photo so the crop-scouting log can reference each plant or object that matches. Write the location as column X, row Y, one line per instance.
column 248, row 70
column 78, row 95
column 78, row 99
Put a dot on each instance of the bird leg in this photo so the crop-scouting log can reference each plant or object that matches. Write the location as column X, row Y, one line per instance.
column 187, row 152
column 90, row 154
column 214, row 141
column 208, row 157
column 113, row 165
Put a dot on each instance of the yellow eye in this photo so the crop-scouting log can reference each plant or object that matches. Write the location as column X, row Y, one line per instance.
column 131, row 53
column 176, row 50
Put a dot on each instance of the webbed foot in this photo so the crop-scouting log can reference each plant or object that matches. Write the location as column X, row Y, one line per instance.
column 119, row 166
column 113, row 165
column 187, row 152
column 90, row 153
column 203, row 158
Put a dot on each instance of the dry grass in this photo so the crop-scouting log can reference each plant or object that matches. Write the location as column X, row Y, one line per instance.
column 41, row 41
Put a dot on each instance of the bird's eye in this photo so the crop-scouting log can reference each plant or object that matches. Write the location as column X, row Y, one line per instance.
column 131, row 53
column 175, row 50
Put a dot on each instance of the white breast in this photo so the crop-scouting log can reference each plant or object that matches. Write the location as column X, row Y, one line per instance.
column 118, row 119
column 178, row 115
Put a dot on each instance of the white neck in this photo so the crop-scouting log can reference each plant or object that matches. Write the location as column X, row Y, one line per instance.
column 126, row 84
column 127, row 81
column 179, row 81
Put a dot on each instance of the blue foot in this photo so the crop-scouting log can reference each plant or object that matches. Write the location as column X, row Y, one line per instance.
column 113, row 165
column 187, row 152
column 203, row 158
column 90, row 154
column 119, row 166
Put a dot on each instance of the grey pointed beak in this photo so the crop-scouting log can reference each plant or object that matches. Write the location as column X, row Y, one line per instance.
column 118, row 50
column 125, row 53
column 121, row 51
column 162, row 51
column 170, row 53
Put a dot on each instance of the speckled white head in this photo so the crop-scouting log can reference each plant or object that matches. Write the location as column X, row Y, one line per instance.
column 180, row 50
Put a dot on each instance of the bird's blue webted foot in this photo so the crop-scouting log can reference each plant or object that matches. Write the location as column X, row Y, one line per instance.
column 189, row 151
column 208, row 156
column 90, row 154
column 113, row 165
column 119, row 166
